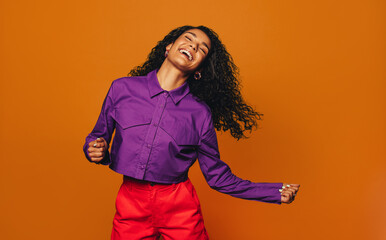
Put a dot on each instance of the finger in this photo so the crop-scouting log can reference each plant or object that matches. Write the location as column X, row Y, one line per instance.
column 284, row 192
column 96, row 159
column 295, row 190
column 291, row 190
column 92, row 143
column 96, row 142
column 94, row 149
column 285, row 189
column 290, row 193
column 297, row 186
column 285, row 198
column 96, row 154
column 99, row 145
column 291, row 187
column 286, row 185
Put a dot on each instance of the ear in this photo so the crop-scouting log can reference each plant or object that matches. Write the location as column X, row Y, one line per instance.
column 168, row 47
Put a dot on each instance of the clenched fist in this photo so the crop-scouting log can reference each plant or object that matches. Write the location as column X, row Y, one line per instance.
column 97, row 149
column 288, row 192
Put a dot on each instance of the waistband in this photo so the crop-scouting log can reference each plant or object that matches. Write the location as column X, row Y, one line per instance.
column 144, row 183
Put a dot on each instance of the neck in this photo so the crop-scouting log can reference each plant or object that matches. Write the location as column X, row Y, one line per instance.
column 169, row 77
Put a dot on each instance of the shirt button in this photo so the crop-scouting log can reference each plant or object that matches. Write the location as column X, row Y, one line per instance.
column 155, row 124
column 165, row 93
column 148, row 145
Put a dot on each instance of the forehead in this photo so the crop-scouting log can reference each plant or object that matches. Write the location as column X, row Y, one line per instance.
column 200, row 35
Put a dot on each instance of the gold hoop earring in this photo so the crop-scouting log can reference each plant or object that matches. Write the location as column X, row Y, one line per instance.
column 197, row 75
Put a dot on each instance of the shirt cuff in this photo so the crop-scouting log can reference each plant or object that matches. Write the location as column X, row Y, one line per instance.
column 272, row 192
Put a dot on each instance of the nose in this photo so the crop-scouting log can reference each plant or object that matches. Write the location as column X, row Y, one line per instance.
column 193, row 46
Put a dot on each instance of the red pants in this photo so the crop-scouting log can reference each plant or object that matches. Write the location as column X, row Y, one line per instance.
column 147, row 211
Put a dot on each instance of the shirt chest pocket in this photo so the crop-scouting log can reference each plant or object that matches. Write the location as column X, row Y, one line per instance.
column 127, row 118
column 182, row 133
column 135, row 124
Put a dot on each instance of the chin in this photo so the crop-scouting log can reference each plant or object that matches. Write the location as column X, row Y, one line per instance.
column 183, row 67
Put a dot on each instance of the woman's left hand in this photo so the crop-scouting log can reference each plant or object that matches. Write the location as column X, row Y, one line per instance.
column 288, row 192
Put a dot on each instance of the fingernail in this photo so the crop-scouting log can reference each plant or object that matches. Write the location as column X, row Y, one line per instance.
column 280, row 190
column 283, row 187
column 94, row 144
column 98, row 138
column 288, row 186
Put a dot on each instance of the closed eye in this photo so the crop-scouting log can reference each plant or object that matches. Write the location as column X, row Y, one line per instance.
column 191, row 40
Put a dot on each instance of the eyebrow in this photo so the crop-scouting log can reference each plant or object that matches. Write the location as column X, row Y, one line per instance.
column 194, row 35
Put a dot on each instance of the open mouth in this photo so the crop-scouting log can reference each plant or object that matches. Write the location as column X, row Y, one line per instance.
column 187, row 53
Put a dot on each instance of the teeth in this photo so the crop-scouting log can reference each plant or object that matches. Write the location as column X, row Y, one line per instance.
column 188, row 53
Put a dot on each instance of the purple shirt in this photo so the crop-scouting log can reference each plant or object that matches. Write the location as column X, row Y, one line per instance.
column 159, row 134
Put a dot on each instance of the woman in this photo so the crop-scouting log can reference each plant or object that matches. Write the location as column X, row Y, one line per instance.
column 165, row 115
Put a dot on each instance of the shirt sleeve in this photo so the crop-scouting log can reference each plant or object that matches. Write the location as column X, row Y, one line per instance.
column 104, row 127
column 220, row 177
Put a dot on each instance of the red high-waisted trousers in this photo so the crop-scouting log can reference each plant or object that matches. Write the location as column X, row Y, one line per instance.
column 146, row 211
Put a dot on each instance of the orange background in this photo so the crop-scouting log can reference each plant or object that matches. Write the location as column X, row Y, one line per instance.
column 315, row 69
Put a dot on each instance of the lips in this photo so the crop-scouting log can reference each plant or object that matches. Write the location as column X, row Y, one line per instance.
column 186, row 53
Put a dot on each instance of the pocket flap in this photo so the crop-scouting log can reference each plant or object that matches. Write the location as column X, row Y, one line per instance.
column 183, row 134
column 127, row 118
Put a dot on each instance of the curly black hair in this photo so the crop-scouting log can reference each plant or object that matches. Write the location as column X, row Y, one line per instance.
column 219, row 86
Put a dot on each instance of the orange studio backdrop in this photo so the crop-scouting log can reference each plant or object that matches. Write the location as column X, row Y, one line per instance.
column 315, row 69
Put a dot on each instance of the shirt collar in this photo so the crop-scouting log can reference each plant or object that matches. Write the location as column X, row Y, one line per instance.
column 154, row 88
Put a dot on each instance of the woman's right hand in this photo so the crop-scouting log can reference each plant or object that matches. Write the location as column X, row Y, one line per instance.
column 97, row 149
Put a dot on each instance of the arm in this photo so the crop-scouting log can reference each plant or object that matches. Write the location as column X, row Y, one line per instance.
column 103, row 128
column 220, row 177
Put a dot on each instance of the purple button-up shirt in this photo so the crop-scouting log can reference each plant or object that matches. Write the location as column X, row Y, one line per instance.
column 159, row 135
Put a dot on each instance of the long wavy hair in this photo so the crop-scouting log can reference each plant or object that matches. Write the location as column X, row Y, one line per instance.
column 219, row 86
